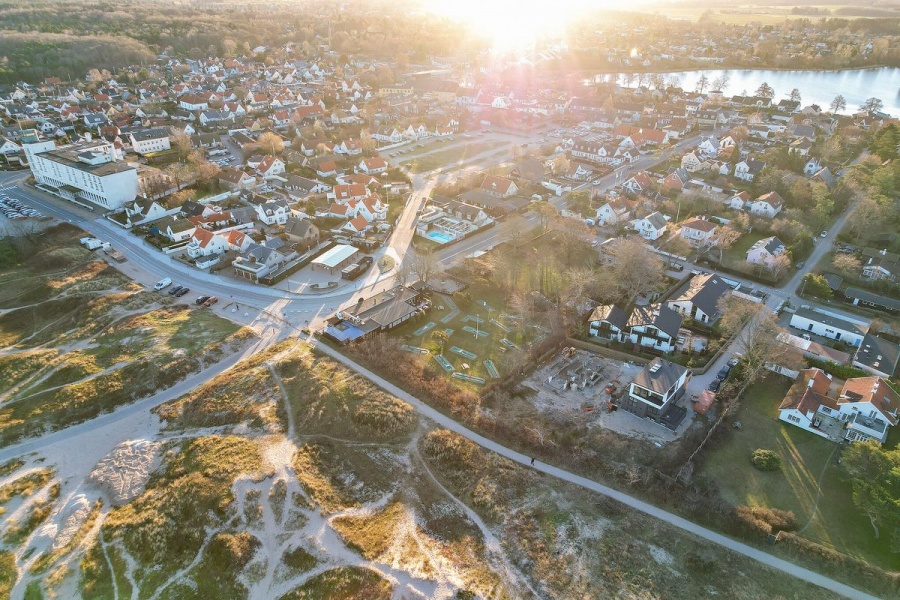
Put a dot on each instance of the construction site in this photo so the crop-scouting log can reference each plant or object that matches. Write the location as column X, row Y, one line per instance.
column 582, row 386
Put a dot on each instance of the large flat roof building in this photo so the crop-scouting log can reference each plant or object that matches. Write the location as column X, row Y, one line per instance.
column 86, row 171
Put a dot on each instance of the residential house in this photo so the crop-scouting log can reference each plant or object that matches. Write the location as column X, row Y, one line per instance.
column 206, row 243
column 147, row 141
column 499, row 186
column 766, row 251
column 700, row 233
column 347, row 192
column 676, row 180
column 877, row 356
column 656, row 389
column 177, row 230
column 640, row 183
column 700, row 297
column 275, row 212
column 614, row 211
column 655, row 327
column 863, row 410
column 608, row 322
column 880, row 264
column 739, row 201
column 652, row 227
column 692, row 163
column 372, row 166
column 829, row 326
column 302, row 232
column 270, row 166
column 259, row 260
column 748, row 169
column 144, row 211
column 767, row 205
column 236, row 179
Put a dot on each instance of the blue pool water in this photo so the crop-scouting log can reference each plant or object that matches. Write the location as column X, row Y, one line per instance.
column 439, row 237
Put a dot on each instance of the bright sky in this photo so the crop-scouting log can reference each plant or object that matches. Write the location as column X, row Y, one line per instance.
column 515, row 24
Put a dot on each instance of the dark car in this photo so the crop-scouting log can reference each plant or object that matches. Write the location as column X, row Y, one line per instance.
column 182, row 292
column 175, row 290
column 714, row 385
column 201, row 300
column 723, row 372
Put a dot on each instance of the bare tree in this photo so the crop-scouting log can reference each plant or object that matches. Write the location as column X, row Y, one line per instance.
column 725, row 239
column 637, row 270
column 779, row 265
column 846, row 264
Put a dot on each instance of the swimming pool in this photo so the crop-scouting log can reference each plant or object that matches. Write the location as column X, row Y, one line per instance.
column 439, row 236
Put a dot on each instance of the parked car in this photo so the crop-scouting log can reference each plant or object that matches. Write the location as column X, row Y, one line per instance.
column 162, row 284
column 183, row 291
column 714, row 385
column 210, row 301
column 800, row 265
column 823, row 234
column 175, row 290
column 200, row 300
column 723, row 372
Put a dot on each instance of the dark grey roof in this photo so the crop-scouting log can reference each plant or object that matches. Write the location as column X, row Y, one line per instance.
column 668, row 321
column 773, row 244
column 704, row 292
column 754, row 166
column 154, row 133
column 661, row 379
column 878, row 353
column 657, row 220
column 612, row 314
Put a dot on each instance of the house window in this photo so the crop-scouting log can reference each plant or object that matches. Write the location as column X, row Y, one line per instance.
column 793, row 418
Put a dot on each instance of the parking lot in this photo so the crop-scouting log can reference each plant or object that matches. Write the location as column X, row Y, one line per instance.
column 16, row 214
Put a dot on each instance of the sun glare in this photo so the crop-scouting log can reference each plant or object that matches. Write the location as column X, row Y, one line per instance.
column 514, row 25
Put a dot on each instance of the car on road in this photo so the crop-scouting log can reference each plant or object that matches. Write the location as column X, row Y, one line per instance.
column 200, row 300
column 162, row 284
column 801, row 264
column 714, row 385
column 823, row 234
column 182, row 292
column 733, row 362
column 175, row 290
column 210, row 301
column 723, row 372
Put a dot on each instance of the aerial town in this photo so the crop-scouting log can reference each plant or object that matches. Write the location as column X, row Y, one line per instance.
column 408, row 300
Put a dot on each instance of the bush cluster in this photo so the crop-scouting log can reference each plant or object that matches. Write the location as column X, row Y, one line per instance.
column 765, row 460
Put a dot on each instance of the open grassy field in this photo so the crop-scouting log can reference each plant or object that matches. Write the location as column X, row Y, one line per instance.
column 78, row 338
column 810, row 483
column 451, row 156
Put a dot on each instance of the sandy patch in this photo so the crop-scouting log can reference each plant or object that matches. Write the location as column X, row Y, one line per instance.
column 123, row 473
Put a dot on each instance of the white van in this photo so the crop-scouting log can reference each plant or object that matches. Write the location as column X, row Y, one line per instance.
column 162, row 284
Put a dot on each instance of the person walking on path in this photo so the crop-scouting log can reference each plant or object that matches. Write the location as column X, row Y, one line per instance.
column 532, row 461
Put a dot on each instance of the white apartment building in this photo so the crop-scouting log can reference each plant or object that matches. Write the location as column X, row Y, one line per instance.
column 155, row 139
column 87, row 171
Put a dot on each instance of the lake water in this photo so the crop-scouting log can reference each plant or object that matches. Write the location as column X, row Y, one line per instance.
column 816, row 87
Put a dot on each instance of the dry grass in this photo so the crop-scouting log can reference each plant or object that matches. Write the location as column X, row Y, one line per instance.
column 330, row 399
column 574, row 544
column 244, row 394
column 341, row 584
column 338, row 476
column 371, row 535
column 166, row 525
column 26, row 485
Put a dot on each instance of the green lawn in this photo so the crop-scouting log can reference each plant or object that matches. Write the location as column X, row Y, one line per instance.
column 737, row 254
column 805, row 458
